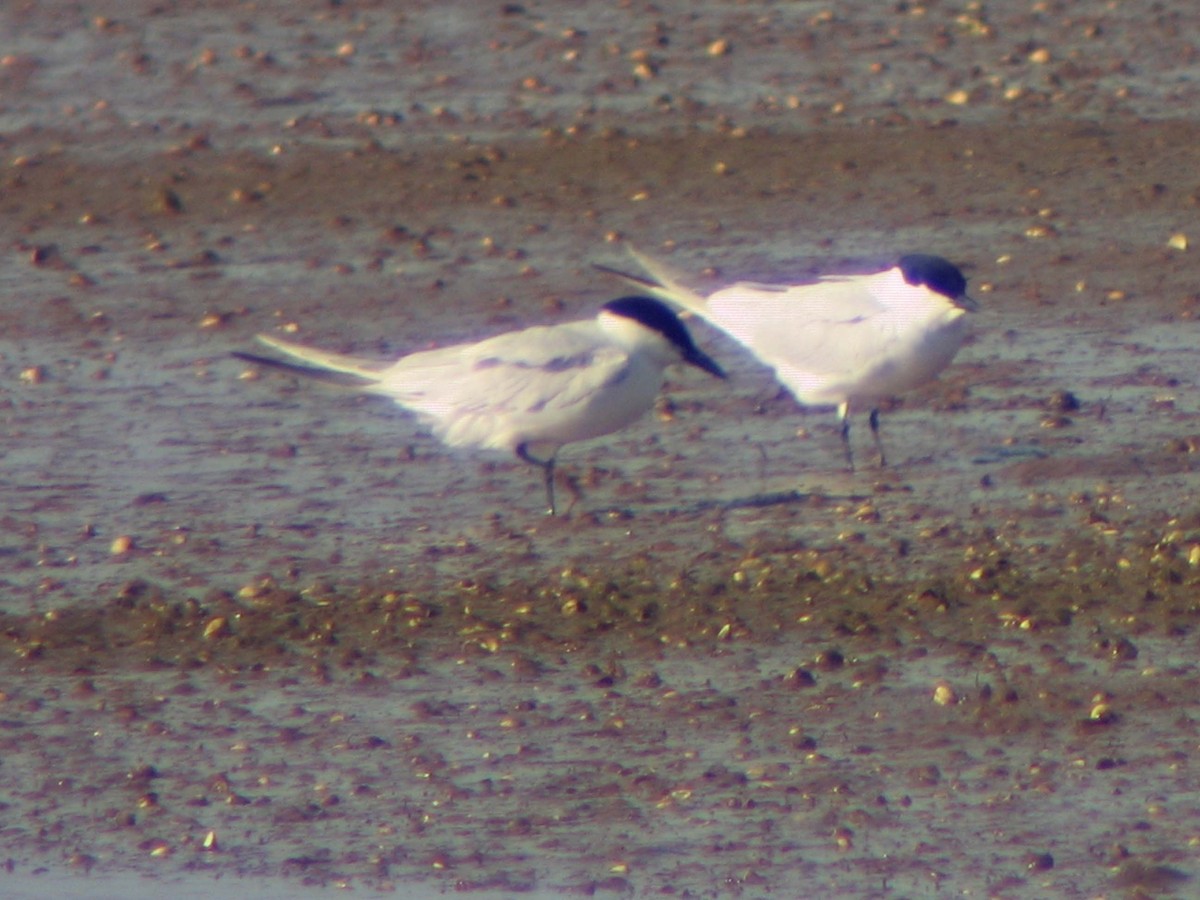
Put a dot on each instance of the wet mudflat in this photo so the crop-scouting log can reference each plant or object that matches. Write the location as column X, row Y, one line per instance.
column 261, row 635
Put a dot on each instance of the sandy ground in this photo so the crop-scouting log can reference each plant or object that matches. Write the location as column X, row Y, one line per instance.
column 266, row 637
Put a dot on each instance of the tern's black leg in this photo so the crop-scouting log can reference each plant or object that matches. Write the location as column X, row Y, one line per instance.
column 874, row 420
column 547, row 467
column 843, row 411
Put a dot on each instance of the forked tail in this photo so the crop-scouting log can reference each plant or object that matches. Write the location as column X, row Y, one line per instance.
column 664, row 282
column 338, row 368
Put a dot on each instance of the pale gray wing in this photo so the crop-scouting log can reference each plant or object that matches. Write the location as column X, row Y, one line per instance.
column 482, row 394
column 834, row 325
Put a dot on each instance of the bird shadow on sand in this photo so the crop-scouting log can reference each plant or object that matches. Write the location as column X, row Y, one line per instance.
column 754, row 501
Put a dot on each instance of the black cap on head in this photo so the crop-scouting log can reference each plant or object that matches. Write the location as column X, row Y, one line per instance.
column 936, row 273
column 656, row 315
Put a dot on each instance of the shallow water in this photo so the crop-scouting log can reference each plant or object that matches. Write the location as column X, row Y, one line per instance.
column 283, row 616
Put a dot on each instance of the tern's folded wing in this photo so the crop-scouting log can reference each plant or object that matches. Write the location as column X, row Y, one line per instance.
column 479, row 394
column 799, row 316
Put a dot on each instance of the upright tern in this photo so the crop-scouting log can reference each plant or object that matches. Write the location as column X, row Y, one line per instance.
column 842, row 340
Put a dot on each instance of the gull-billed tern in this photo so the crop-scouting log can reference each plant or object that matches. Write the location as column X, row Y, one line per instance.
column 842, row 340
column 530, row 391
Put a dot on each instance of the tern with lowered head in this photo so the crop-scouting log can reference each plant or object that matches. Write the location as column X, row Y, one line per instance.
column 528, row 392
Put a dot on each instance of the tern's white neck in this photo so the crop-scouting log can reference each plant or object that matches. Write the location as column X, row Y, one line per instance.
column 897, row 294
column 633, row 336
